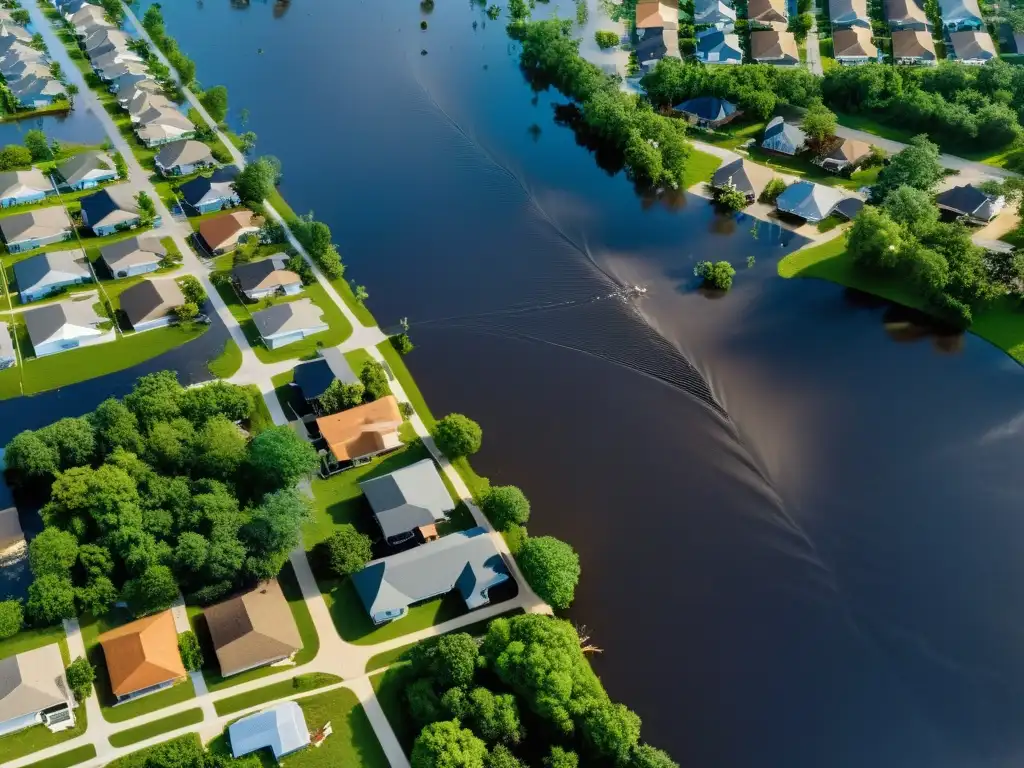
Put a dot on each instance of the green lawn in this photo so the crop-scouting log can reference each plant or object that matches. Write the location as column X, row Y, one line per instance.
column 734, row 134
column 287, row 395
column 30, row 639
column 38, row 737
column 156, row 727
column 389, row 687
column 281, row 690
column 66, row 759
column 802, row 166
column 700, row 167
column 361, row 311
column 154, row 756
column 226, row 364
column 304, row 622
column 1002, row 324
column 357, row 358
column 92, row 628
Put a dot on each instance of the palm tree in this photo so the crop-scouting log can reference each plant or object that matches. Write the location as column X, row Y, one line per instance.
column 71, row 91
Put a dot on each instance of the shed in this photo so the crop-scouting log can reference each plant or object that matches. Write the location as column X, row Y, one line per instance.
column 282, row 729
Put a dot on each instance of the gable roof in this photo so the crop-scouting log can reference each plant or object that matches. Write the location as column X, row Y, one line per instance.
column 31, row 86
column 467, row 561
column 81, row 165
column 142, row 653
column 913, row 44
column 282, row 728
column 221, row 230
column 288, row 317
column 848, row 12
column 110, row 206
column 809, row 201
column 207, row 189
column 63, row 320
column 848, row 151
column 972, row 44
column 365, row 429
column 780, row 135
column 150, row 300
column 657, row 44
column 188, row 152
column 19, row 183
column 710, row 108
column 906, row 12
column 142, row 249
column 408, row 498
column 855, row 41
column 959, row 10
column 264, row 274
column 713, row 12
column 40, row 223
column 313, row 377
column 746, row 176
column 50, row 268
column 773, row 45
column 253, row 628
column 767, row 10
column 715, row 40
column 32, row 681
column 968, row 200
column 657, row 15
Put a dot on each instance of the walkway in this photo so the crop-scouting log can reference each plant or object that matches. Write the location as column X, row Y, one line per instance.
column 812, row 47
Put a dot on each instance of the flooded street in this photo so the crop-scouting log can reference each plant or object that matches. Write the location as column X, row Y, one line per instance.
column 798, row 515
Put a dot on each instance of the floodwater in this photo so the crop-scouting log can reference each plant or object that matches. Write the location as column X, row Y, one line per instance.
column 796, row 510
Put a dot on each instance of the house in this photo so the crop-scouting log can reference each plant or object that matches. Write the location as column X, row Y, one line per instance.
column 40, row 276
column 743, row 176
column 911, row 46
column 34, row 691
column 223, row 233
column 708, row 111
column 151, row 303
column 15, row 32
column 972, row 48
column 853, row 46
column 714, row 13
column 129, row 86
column 19, row 187
column 65, row 325
column 111, row 210
column 253, row 629
column 848, row 208
column 287, row 323
column 409, row 501
column 970, row 203
column 145, row 107
column 281, row 728
column 358, row 434
column 960, row 14
column 845, row 155
column 809, row 201
column 266, row 277
column 36, row 91
column 142, row 656
column 717, row 47
column 206, row 194
column 33, row 229
column 771, row 47
column 467, row 561
column 88, row 15
column 656, row 15
column 907, row 14
column 8, row 357
column 314, row 377
column 769, row 14
column 180, row 158
column 134, row 256
column 110, row 59
column 165, row 126
column 86, row 170
column 655, row 45
column 21, row 67
column 849, row 13
column 115, row 72
column 105, row 40
column 782, row 137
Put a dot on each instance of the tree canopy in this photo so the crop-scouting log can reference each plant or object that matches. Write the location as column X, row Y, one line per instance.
column 552, row 568
column 505, row 506
column 256, row 182
column 457, row 435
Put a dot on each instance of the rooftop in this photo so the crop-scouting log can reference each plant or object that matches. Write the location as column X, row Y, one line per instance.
column 363, row 430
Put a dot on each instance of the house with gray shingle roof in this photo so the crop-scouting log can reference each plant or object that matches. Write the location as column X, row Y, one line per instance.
column 289, row 322
column 160, row 126
column 34, row 690
column 40, row 276
column 743, row 176
column 65, row 325
column 111, row 210
column 408, row 501
column 960, row 14
column 907, row 14
column 783, row 137
column 913, row 46
column 35, row 91
column 180, row 158
column 972, row 47
column 809, row 201
column 468, row 562
column 134, row 256
column 849, row 13
column 34, row 229
column 20, row 187
column 87, row 170
column 716, row 47
column 151, row 303
column 216, row 192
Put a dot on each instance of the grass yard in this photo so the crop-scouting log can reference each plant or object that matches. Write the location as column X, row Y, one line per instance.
column 38, row 737
column 362, row 313
column 66, row 759
column 157, row 754
column 287, row 395
column 734, row 134
column 389, row 687
column 700, row 167
column 92, row 628
column 30, row 639
column 357, row 358
column 226, row 364
column 304, row 622
column 802, row 166
column 156, row 727
column 281, row 690
column 1002, row 324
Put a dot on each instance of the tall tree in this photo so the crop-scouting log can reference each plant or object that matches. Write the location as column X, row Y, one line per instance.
column 30, row 460
column 73, row 439
column 916, row 166
column 611, row 731
column 256, row 181
column 552, row 568
column 447, row 745
column 219, row 449
column 155, row 590
column 116, row 427
column 279, row 458
column 505, row 506
column 215, row 100
column 347, row 550
column 53, row 551
column 155, row 397
column 51, row 599
column 457, row 435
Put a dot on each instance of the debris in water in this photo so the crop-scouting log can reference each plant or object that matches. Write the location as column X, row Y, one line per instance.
column 423, row 52
column 423, row 25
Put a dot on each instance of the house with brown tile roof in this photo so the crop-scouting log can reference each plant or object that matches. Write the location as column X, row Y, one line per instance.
column 854, row 46
column 657, row 15
column 772, row 47
column 142, row 656
column 911, row 46
column 906, row 14
column 849, row 153
column 253, row 629
column 359, row 433
column 972, row 47
column 767, row 13
column 223, row 233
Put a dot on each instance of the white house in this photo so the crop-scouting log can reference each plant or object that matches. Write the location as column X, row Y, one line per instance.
column 65, row 325
column 289, row 322
column 266, row 277
column 150, row 304
column 34, row 690
column 134, row 256
column 39, row 276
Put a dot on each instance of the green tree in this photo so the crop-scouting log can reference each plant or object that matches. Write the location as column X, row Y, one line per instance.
column 800, row 25
column 502, row 757
column 20, row 16
column 120, row 166
column 73, row 439
column 95, row 560
column 29, row 460
column 401, row 343
column 247, row 142
column 606, row 39
column 114, row 11
column 505, row 506
column 375, row 380
column 279, row 458
column 359, row 294
column 186, row 313
column 216, row 102
column 116, row 427
column 80, row 675
column 36, row 143
column 256, row 181
column 340, row 397
column 190, row 552
column 876, row 242
column 147, row 208
column 169, row 445
column 772, row 190
column 611, row 731
column 457, row 436
column 193, row 289
column 447, row 661
column 494, row 717
column 913, row 208
column 155, row 397
column 97, row 596
column 731, row 198
column 12, row 618
column 220, row 448
column 275, row 525
column 51, row 599
column 71, row 90
column 559, row 758
column 646, row 756
column 153, row 591
column 53, row 551
column 191, row 653
column 819, row 123
column 916, row 166
column 13, row 157
column 717, row 275
column 552, row 568
column 348, row 550
column 218, row 398
column 447, row 745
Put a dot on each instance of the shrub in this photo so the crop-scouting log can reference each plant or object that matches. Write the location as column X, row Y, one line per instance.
column 12, row 618
column 731, row 198
column 552, row 569
column 401, row 343
column 718, row 275
column 515, row 537
column 606, row 39
column 457, row 436
column 406, row 410
column 772, row 190
column 347, row 550
column 506, row 506
column 191, row 653
column 80, row 674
